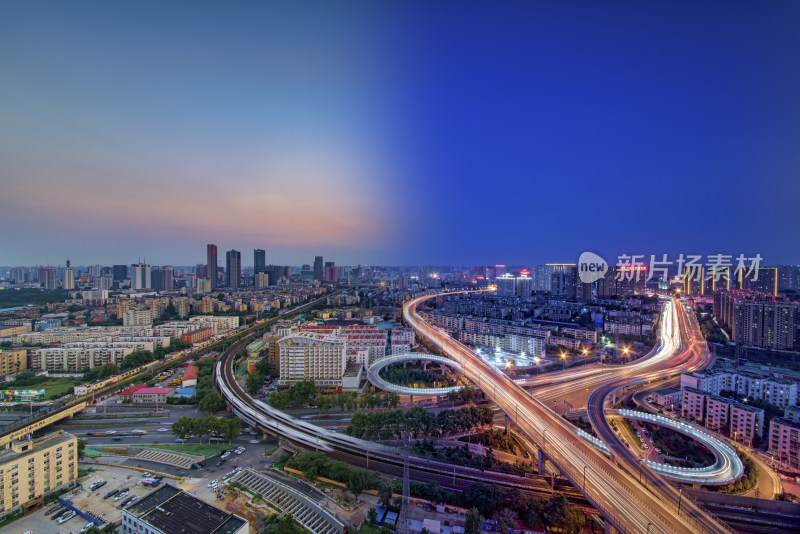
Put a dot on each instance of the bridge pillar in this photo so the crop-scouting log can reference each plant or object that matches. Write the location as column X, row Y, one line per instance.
column 425, row 366
column 541, row 462
column 412, row 400
column 506, row 424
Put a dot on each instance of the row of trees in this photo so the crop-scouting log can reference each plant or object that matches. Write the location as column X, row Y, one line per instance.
column 351, row 401
column 186, row 427
column 418, row 421
column 301, row 392
column 315, row 464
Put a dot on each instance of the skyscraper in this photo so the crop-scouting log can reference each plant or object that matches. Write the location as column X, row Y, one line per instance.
column 506, row 285
column 163, row 278
column 542, row 277
column 47, row 277
column 563, row 280
column 211, row 253
column 233, row 268
column 69, row 277
column 140, row 276
column 259, row 261
column 331, row 272
column 524, row 285
column 319, row 271
column 120, row 272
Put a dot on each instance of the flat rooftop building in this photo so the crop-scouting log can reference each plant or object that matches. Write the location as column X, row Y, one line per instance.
column 170, row 510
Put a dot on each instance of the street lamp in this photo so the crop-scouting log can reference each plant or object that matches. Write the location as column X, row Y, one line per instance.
column 641, row 460
column 563, row 360
column 536, row 361
column 648, row 527
column 584, row 478
column 680, row 497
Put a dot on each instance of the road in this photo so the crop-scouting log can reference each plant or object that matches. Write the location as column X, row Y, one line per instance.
column 626, row 504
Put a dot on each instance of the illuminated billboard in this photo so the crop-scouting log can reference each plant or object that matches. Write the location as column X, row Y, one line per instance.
column 21, row 395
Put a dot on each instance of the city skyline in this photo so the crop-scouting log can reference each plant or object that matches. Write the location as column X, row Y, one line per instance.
column 377, row 135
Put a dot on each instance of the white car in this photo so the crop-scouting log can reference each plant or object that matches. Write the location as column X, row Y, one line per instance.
column 254, row 442
column 66, row 517
column 212, row 482
column 87, row 526
column 163, row 429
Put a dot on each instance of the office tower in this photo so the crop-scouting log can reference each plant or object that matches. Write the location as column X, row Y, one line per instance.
column 506, row 285
column 69, row 277
column 140, row 276
column 163, row 279
column 331, row 272
column 211, row 265
column 119, row 272
column 47, row 277
column 104, row 282
column 319, row 273
column 259, row 261
column 524, row 285
column 233, row 268
column 19, row 275
column 563, row 280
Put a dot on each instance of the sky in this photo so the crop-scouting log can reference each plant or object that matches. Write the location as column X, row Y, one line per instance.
column 398, row 132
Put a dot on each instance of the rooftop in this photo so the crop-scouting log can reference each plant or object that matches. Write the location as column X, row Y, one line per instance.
column 45, row 442
column 173, row 511
column 153, row 391
column 133, row 389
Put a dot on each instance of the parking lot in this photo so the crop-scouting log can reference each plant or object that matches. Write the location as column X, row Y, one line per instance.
column 87, row 500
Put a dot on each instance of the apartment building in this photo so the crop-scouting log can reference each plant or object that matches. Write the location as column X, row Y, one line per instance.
column 772, row 388
column 784, row 441
column 739, row 421
column 30, row 469
column 13, row 361
column 76, row 359
column 312, row 356
column 756, row 319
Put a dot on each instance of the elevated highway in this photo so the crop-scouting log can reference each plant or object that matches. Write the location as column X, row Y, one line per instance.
column 626, row 504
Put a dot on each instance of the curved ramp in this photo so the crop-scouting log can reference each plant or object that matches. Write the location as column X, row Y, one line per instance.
column 373, row 373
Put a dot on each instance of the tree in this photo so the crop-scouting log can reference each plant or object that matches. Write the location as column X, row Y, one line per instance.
column 385, row 494
column 279, row 400
column 253, row 382
column 183, row 427
column 357, row 482
column 372, row 515
column 211, row 403
column 230, row 428
column 505, row 520
column 474, row 522
column 137, row 358
column 559, row 514
column 81, row 448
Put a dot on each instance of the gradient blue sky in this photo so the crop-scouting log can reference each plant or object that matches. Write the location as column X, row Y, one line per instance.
column 398, row 133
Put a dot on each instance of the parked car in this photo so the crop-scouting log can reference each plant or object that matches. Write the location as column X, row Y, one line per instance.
column 66, row 517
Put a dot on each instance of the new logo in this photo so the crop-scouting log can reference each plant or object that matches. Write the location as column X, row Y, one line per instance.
column 591, row 267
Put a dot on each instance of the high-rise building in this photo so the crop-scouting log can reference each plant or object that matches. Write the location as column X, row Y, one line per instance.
column 163, row 279
column 47, row 277
column 757, row 319
column 69, row 277
column 319, row 272
column 140, row 276
column 261, row 280
column 233, row 268
column 331, row 272
column 763, row 280
column 312, row 356
column 542, row 277
column 19, row 275
column 13, row 361
column 564, row 280
column 788, row 278
column 119, row 272
column 259, row 261
column 211, row 265
column 506, row 285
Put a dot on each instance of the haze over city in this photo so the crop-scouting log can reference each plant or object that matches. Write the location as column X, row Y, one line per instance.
column 397, row 134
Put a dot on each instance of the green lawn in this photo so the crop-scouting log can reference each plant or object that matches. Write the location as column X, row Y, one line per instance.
column 60, row 387
column 198, row 449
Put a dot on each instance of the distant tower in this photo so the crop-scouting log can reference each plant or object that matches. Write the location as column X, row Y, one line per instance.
column 319, row 272
column 233, row 268
column 69, row 277
column 211, row 254
column 259, row 261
